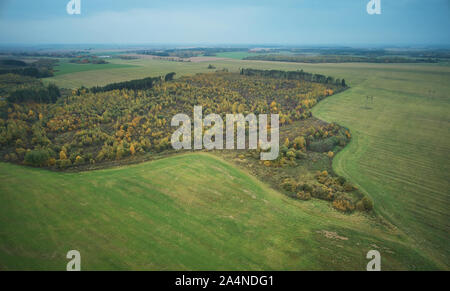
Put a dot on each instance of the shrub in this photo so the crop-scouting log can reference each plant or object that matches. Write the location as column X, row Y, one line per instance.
column 289, row 184
column 51, row 161
column 79, row 160
column 302, row 195
column 322, row 192
column 64, row 163
column 283, row 150
column 300, row 155
column 323, row 145
column 21, row 152
column 348, row 187
column 341, row 180
column 291, row 155
column 360, row 206
column 304, row 187
column 37, row 158
column 343, row 203
column 365, row 204
column 13, row 157
column 299, row 142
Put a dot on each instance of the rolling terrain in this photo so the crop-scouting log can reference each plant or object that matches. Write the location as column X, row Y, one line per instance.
column 400, row 149
column 188, row 212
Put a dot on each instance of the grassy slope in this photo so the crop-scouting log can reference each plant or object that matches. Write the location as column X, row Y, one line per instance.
column 192, row 211
column 400, row 151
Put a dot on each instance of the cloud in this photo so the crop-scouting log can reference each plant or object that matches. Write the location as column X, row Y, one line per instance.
column 136, row 26
column 284, row 22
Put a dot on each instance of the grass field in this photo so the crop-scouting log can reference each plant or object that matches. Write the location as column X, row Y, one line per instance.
column 65, row 67
column 193, row 212
column 400, row 151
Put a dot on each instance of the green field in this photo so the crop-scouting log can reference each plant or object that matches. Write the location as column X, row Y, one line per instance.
column 188, row 212
column 400, row 151
column 64, row 67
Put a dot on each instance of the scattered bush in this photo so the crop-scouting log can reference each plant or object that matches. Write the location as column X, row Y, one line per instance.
column 341, row 180
column 303, row 195
column 343, row 203
column 324, row 145
column 365, row 204
column 348, row 187
column 300, row 155
column 79, row 160
column 64, row 163
column 289, row 184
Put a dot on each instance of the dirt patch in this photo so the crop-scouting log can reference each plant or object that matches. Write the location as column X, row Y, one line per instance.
column 331, row 235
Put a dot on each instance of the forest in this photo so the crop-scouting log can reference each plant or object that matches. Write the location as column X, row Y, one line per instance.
column 39, row 69
column 131, row 121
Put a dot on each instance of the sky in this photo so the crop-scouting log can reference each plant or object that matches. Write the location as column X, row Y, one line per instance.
column 282, row 22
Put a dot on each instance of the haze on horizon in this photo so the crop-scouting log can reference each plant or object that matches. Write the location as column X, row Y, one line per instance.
column 283, row 22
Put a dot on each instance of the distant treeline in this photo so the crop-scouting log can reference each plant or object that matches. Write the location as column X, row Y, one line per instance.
column 294, row 75
column 190, row 52
column 88, row 60
column 58, row 54
column 42, row 94
column 40, row 69
column 339, row 59
column 140, row 84
column 30, row 72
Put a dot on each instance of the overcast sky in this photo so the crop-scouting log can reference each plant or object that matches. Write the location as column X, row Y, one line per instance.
column 296, row 22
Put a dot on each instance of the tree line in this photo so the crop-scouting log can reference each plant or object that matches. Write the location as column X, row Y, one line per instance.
column 339, row 59
column 139, row 84
column 295, row 75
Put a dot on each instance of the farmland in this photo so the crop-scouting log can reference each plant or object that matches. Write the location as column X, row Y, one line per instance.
column 399, row 154
column 65, row 67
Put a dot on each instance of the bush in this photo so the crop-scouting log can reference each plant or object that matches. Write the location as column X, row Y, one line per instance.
column 341, row 180
column 348, row 187
column 37, row 158
column 64, row 163
column 343, row 203
column 322, row 192
column 304, row 187
column 79, row 160
column 291, row 155
column 302, row 195
column 13, row 157
column 289, row 184
column 365, row 204
column 300, row 155
column 323, row 145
